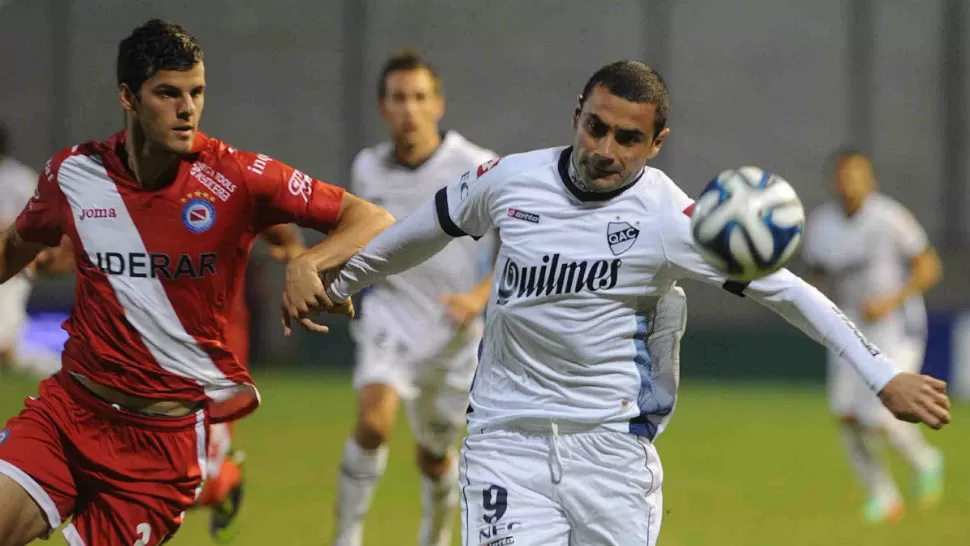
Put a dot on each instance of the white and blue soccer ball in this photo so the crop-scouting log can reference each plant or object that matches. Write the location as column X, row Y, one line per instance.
column 747, row 223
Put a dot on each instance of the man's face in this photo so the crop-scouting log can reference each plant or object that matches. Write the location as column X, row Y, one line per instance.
column 854, row 179
column 614, row 139
column 168, row 107
column 412, row 105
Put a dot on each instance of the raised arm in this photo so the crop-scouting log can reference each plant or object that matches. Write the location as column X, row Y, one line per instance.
column 909, row 396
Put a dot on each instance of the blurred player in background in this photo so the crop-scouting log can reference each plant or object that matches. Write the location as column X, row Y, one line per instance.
column 223, row 488
column 418, row 332
column 162, row 219
column 580, row 362
column 17, row 185
column 880, row 263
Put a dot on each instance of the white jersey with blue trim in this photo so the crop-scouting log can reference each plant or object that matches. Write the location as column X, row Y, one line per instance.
column 573, row 316
column 584, row 320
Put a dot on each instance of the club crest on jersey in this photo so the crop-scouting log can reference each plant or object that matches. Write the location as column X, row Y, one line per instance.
column 621, row 236
column 198, row 215
column 4, row 434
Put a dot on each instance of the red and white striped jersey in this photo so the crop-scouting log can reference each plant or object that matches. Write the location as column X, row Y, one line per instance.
column 158, row 271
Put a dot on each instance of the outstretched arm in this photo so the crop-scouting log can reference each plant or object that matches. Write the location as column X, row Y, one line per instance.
column 359, row 221
column 909, row 396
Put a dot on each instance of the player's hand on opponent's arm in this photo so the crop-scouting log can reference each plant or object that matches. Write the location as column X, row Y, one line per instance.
column 463, row 308
column 304, row 295
column 917, row 399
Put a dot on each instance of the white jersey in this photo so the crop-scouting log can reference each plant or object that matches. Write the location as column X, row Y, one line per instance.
column 407, row 304
column 570, row 333
column 17, row 185
column 867, row 256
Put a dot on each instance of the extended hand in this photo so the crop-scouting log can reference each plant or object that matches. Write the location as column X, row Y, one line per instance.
column 304, row 295
column 918, row 399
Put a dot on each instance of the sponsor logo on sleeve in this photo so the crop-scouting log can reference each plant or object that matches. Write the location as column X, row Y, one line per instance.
column 301, row 185
column 260, row 163
column 520, row 214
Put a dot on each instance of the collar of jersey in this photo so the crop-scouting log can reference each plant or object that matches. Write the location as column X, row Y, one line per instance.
column 112, row 150
column 582, row 194
column 395, row 162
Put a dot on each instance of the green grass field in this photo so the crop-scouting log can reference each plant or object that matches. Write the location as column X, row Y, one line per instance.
column 751, row 465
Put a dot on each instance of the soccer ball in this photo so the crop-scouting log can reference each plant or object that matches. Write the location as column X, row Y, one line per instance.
column 747, row 223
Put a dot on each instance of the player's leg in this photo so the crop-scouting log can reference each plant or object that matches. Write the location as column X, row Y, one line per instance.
column 612, row 489
column 860, row 420
column 378, row 378
column 21, row 518
column 223, row 488
column 224, row 485
column 437, row 417
column 908, row 440
column 37, row 490
column 506, row 493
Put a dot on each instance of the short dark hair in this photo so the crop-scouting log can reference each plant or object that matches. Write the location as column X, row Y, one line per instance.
column 405, row 60
column 635, row 82
column 153, row 46
column 4, row 140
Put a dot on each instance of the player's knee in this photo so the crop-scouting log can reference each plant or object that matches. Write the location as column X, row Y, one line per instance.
column 377, row 410
column 373, row 430
column 433, row 465
column 21, row 520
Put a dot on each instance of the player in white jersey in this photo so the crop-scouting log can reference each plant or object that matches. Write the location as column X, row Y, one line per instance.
column 880, row 262
column 579, row 369
column 419, row 330
column 17, row 185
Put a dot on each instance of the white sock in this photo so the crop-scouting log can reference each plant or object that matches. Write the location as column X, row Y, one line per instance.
column 864, row 457
column 907, row 439
column 439, row 499
column 359, row 473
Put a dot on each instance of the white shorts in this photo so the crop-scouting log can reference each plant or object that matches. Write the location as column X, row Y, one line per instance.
column 601, row 488
column 849, row 396
column 433, row 383
column 13, row 310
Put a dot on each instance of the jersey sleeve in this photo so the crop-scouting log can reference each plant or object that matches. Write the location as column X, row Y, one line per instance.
column 908, row 234
column 801, row 304
column 281, row 194
column 41, row 220
column 465, row 206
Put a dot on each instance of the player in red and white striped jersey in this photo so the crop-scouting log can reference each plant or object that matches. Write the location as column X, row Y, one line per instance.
column 161, row 218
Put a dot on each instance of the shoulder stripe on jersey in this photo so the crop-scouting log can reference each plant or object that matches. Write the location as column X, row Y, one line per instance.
column 86, row 184
column 444, row 217
column 735, row 287
column 689, row 210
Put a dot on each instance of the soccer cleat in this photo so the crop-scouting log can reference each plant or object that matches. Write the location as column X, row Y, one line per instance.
column 224, row 521
column 929, row 484
column 879, row 510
